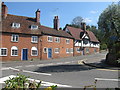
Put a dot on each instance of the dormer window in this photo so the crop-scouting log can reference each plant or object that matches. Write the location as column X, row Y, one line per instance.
column 34, row 27
column 15, row 25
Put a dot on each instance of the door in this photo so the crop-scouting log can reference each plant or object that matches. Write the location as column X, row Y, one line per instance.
column 49, row 52
column 24, row 54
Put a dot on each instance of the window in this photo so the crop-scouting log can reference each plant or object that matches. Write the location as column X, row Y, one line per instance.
column 34, row 51
column 57, row 39
column 78, row 50
column 34, row 39
column 14, row 38
column 57, row 50
column 3, row 51
column 67, row 41
column 15, row 25
column 45, row 50
column 67, row 50
column 34, row 27
column 14, row 51
column 50, row 39
column 87, row 50
column 71, row 50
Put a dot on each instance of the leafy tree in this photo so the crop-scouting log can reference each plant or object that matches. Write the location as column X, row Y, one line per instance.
column 76, row 22
column 109, row 24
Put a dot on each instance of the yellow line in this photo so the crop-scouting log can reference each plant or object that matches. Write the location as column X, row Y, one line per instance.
column 108, row 70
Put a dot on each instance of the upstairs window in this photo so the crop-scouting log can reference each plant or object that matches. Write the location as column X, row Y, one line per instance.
column 50, row 39
column 15, row 38
column 3, row 51
column 67, row 41
column 34, row 27
column 57, row 39
column 15, row 25
column 34, row 39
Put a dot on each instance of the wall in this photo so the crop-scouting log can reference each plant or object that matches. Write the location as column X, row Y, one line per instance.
column 62, row 45
column 24, row 42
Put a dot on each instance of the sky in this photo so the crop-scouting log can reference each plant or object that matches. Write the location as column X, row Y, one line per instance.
column 67, row 11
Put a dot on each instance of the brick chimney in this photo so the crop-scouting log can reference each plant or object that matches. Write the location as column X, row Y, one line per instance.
column 83, row 25
column 4, row 10
column 56, row 23
column 38, row 15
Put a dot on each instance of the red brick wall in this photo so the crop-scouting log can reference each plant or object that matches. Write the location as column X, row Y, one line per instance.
column 62, row 45
column 24, row 42
column 91, row 51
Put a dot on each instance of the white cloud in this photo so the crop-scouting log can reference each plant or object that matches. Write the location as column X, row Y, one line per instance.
column 93, row 12
column 87, row 20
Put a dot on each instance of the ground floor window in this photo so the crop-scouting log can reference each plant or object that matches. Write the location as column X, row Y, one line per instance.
column 45, row 50
column 34, row 51
column 87, row 50
column 67, row 50
column 78, row 50
column 3, row 51
column 14, row 51
column 71, row 50
column 57, row 50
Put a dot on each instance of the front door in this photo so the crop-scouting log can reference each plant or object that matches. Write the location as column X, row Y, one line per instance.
column 24, row 54
column 49, row 52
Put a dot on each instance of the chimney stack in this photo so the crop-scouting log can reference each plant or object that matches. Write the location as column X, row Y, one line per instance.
column 4, row 10
column 38, row 16
column 83, row 25
column 56, row 23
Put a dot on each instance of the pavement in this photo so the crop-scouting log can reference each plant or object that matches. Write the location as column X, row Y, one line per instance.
column 98, row 63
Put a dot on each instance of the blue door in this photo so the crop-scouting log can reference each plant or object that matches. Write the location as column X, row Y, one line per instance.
column 24, row 54
column 49, row 53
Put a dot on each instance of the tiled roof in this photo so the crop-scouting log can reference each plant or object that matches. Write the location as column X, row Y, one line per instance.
column 75, row 32
column 25, row 23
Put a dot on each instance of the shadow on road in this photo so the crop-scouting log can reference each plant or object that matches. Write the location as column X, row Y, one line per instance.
column 63, row 68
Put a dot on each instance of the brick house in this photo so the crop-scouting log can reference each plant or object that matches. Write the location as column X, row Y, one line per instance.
column 24, row 38
column 85, row 42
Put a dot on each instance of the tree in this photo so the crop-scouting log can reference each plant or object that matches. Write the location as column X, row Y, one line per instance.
column 76, row 22
column 109, row 24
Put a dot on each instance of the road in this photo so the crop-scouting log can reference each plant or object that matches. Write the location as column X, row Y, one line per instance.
column 65, row 72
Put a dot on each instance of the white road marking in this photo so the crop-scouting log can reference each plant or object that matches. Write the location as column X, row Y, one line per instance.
column 30, row 71
column 40, row 65
column 66, row 62
column 104, row 79
column 5, row 68
column 29, row 65
column 2, row 80
column 18, row 66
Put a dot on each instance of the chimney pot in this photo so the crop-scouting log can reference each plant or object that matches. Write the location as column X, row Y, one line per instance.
column 38, row 15
column 4, row 10
column 56, row 23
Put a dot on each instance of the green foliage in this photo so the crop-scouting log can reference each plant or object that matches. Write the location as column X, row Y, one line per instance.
column 103, row 46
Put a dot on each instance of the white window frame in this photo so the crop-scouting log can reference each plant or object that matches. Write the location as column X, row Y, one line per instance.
column 6, row 51
column 49, row 40
column 32, row 39
column 57, row 39
column 67, row 41
column 16, row 25
column 14, row 48
column 67, row 50
column 15, row 36
column 57, row 50
column 71, row 50
column 44, row 50
column 34, row 27
column 32, row 51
